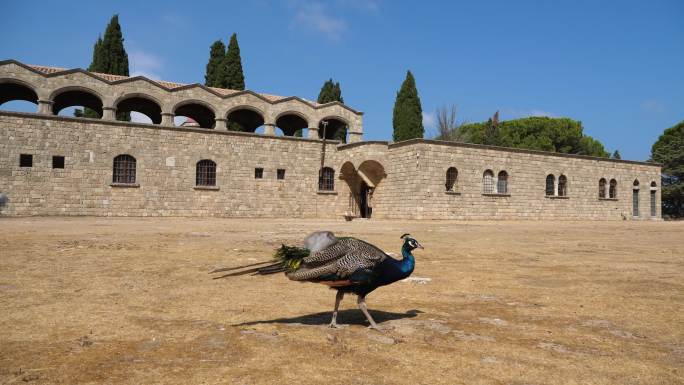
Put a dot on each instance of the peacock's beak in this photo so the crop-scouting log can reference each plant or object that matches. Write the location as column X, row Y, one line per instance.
column 418, row 245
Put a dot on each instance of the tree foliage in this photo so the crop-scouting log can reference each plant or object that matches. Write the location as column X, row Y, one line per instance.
column 109, row 57
column 407, row 117
column 215, row 67
column 448, row 126
column 616, row 155
column 535, row 133
column 669, row 151
column 234, row 79
column 331, row 92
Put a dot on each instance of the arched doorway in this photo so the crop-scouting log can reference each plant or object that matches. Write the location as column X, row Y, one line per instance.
column 363, row 186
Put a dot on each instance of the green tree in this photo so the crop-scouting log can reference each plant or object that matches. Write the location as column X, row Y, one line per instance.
column 234, row 79
column 668, row 150
column 616, row 155
column 331, row 92
column 109, row 57
column 215, row 70
column 407, row 117
column 536, row 133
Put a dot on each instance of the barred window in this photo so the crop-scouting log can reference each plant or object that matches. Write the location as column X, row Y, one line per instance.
column 502, row 183
column 258, row 173
column 550, row 185
column 612, row 189
column 488, row 182
column 205, row 173
column 326, row 179
column 602, row 188
column 451, row 178
column 124, row 169
column 562, row 186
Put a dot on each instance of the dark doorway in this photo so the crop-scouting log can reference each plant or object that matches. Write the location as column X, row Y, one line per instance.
column 364, row 207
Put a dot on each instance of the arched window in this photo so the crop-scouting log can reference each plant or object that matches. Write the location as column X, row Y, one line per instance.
column 326, row 179
column 124, row 169
column 612, row 189
column 205, row 174
column 635, row 198
column 602, row 188
column 550, row 185
column 451, row 178
column 502, row 183
column 562, row 186
column 654, row 187
column 488, row 182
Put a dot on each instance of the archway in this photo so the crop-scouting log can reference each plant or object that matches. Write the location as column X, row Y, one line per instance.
column 336, row 129
column 90, row 103
column 363, row 184
column 199, row 113
column 291, row 124
column 17, row 97
column 245, row 120
column 141, row 109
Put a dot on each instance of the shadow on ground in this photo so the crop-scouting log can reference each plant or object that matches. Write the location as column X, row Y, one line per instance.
column 348, row 316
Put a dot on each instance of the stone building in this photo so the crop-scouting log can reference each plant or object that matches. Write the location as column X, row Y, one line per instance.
column 62, row 165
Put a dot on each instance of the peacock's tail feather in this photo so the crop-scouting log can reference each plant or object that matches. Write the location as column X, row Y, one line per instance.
column 286, row 259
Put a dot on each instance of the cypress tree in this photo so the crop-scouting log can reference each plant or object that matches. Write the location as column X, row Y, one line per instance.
column 215, row 71
column 109, row 57
column 407, row 116
column 234, row 79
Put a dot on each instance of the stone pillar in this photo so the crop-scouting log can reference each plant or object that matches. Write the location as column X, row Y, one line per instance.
column 313, row 133
column 269, row 129
column 108, row 113
column 45, row 107
column 221, row 124
column 355, row 137
column 167, row 119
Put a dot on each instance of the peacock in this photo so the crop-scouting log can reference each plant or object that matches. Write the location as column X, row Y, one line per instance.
column 345, row 264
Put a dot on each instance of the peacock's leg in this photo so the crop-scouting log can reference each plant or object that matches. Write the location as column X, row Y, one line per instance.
column 338, row 299
column 362, row 305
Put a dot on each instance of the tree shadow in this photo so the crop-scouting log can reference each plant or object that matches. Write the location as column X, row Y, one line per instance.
column 347, row 316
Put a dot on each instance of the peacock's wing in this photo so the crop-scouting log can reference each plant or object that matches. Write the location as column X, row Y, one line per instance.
column 340, row 260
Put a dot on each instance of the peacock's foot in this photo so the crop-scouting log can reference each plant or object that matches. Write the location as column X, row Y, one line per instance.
column 335, row 325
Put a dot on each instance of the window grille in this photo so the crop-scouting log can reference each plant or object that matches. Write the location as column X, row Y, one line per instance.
column 653, row 203
column 280, row 173
column 562, row 186
column 602, row 188
column 124, row 169
column 612, row 189
column 488, row 182
column 502, row 183
column 205, row 173
column 451, row 178
column 550, row 185
column 326, row 179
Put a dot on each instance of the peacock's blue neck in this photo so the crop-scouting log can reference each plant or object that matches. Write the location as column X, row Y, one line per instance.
column 408, row 262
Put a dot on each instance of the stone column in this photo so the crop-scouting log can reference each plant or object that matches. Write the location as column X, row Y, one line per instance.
column 167, row 119
column 313, row 133
column 269, row 129
column 45, row 107
column 108, row 113
column 221, row 124
column 355, row 137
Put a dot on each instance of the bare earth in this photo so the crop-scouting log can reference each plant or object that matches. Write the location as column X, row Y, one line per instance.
column 97, row 300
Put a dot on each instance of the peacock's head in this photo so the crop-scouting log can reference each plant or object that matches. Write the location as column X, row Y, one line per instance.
column 410, row 243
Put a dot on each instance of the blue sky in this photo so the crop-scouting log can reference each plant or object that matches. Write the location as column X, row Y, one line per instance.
column 617, row 66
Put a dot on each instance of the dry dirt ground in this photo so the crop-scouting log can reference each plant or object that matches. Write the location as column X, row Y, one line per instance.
column 129, row 301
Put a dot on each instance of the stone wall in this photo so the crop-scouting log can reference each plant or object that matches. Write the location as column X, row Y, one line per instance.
column 409, row 177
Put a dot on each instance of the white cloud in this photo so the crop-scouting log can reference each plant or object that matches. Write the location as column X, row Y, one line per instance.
column 652, row 105
column 521, row 113
column 362, row 5
column 145, row 64
column 429, row 119
column 137, row 117
column 315, row 16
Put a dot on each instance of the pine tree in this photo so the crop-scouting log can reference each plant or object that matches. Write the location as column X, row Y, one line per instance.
column 331, row 92
column 234, row 79
column 616, row 155
column 215, row 71
column 109, row 57
column 407, row 116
